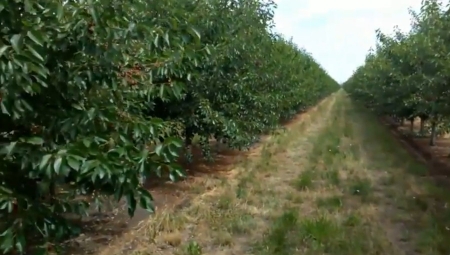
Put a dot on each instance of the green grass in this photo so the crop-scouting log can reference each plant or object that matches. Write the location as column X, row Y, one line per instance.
column 356, row 196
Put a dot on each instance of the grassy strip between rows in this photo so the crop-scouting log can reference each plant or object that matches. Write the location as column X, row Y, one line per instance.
column 359, row 193
column 418, row 206
column 325, row 215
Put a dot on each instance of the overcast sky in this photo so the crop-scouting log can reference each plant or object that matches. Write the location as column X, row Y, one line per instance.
column 340, row 33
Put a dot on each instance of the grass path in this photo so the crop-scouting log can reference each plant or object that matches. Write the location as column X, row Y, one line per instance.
column 334, row 182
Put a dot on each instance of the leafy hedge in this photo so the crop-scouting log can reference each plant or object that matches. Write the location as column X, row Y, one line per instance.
column 95, row 94
column 408, row 74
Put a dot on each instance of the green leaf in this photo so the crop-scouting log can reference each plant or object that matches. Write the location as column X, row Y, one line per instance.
column 4, row 110
column 7, row 240
column 156, row 40
column 131, row 201
column 16, row 42
column 20, row 242
column 35, row 53
column 166, row 38
column 196, row 33
column 3, row 49
column 60, row 11
column 35, row 140
column 73, row 163
column 36, row 37
column 146, row 200
column 158, row 149
column 161, row 91
column 10, row 148
column 87, row 142
column 57, row 165
column 101, row 172
column 93, row 11
column 177, row 142
column 44, row 161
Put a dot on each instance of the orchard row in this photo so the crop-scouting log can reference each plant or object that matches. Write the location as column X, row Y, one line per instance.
column 407, row 75
column 95, row 94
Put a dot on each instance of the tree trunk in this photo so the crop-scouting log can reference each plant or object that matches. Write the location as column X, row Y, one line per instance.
column 422, row 126
column 433, row 133
column 189, row 135
column 411, row 127
column 52, row 192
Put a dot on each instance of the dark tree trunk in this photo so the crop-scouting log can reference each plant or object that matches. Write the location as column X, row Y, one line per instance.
column 433, row 133
column 422, row 126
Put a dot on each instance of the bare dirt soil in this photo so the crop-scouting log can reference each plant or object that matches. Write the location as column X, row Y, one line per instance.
column 437, row 157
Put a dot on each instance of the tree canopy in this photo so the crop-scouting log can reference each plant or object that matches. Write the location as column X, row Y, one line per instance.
column 407, row 74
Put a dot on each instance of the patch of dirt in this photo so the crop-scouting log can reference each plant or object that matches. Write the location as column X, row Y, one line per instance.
column 101, row 228
column 436, row 157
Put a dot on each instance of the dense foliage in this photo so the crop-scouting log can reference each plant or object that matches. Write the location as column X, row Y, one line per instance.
column 408, row 74
column 95, row 93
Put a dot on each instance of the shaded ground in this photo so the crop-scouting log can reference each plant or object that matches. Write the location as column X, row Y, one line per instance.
column 113, row 222
column 437, row 157
column 336, row 182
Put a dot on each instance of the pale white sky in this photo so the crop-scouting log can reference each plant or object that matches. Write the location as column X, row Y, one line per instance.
column 340, row 33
